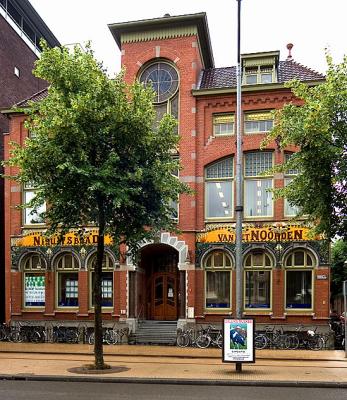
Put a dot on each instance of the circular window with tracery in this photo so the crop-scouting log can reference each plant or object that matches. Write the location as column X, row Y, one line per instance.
column 163, row 78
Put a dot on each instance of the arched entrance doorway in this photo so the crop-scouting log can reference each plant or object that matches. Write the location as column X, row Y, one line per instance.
column 161, row 282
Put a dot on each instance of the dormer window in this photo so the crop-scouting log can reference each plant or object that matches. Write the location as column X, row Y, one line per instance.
column 259, row 75
column 260, row 68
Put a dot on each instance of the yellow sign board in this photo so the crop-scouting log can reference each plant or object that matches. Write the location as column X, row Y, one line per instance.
column 252, row 234
column 38, row 239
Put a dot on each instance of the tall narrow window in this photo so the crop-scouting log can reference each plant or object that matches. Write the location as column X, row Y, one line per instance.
column 299, row 276
column 257, row 267
column 258, row 198
column 30, row 216
column 106, row 281
column 67, row 277
column 218, row 280
column 218, row 189
column 289, row 210
column 34, row 281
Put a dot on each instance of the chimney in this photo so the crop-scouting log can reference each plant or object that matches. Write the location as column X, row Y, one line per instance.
column 289, row 47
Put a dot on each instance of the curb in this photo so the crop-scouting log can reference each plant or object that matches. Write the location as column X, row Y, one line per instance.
column 168, row 381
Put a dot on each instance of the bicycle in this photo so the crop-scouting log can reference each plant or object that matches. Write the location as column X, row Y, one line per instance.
column 109, row 336
column 308, row 339
column 64, row 334
column 211, row 336
column 271, row 338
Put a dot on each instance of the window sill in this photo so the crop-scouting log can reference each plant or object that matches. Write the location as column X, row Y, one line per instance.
column 258, row 312
column 218, row 312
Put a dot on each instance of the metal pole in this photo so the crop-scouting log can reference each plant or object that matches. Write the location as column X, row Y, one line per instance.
column 239, row 186
column 345, row 314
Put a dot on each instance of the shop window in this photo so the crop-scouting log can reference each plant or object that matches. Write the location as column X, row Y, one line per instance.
column 218, row 280
column 30, row 216
column 258, row 122
column 223, row 124
column 67, row 278
column 290, row 210
column 218, row 190
column 299, row 280
column 258, row 197
column 34, row 281
column 257, row 273
column 106, row 280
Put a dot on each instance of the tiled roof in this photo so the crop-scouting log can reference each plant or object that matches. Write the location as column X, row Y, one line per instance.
column 33, row 98
column 217, row 78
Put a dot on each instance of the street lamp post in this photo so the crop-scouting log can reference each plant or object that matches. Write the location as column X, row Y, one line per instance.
column 239, row 202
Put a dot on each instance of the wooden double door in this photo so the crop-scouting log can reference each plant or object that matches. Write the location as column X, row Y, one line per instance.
column 164, row 304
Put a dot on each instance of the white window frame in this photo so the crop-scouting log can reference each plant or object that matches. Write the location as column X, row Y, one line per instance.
column 27, row 189
column 259, row 179
column 220, row 120
column 219, row 180
column 215, row 269
column 299, row 268
column 32, row 270
column 258, row 71
column 258, row 117
column 257, row 268
column 61, row 269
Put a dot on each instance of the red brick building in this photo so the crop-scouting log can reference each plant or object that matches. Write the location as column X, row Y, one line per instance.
column 21, row 29
column 188, row 278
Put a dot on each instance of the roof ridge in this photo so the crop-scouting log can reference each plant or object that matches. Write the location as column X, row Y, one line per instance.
column 31, row 97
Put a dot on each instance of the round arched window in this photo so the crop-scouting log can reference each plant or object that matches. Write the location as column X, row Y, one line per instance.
column 163, row 78
column 67, row 276
column 34, row 280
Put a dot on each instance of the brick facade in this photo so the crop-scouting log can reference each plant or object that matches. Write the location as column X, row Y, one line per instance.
column 198, row 149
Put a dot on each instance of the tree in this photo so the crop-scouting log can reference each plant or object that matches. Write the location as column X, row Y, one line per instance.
column 318, row 128
column 338, row 266
column 95, row 156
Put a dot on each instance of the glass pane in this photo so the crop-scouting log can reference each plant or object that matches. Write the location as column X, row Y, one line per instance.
column 218, row 259
column 266, row 78
column 258, row 200
column 289, row 210
column 258, row 260
column 257, row 289
column 251, row 79
column 29, row 216
column 257, row 163
column 159, row 291
column 299, row 289
column 299, row 258
column 309, row 261
column 248, row 261
column 220, row 169
column 34, row 294
column 170, row 289
column 106, row 289
column 68, row 290
column 217, row 289
column 219, row 199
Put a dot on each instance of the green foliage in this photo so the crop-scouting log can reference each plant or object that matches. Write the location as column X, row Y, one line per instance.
column 94, row 149
column 338, row 266
column 319, row 129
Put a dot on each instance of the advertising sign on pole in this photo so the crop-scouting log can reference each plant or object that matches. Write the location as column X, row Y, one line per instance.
column 238, row 340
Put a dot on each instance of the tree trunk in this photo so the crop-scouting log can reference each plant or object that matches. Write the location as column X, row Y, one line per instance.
column 98, row 342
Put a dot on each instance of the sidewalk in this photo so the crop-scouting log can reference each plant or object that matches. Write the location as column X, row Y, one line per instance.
column 170, row 364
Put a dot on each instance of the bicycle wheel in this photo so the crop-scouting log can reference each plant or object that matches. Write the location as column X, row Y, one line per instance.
column 91, row 338
column 71, row 336
column 219, row 341
column 111, row 337
column 16, row 336
column 3, row 335
column 34, row 336
column 315, row 343
column 260, row 342
column 291, row 342
column 203, row 341
column 182, row 340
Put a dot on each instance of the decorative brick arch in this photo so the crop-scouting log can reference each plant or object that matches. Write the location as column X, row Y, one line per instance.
column 172, row 241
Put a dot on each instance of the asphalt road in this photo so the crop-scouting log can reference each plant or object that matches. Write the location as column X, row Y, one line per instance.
column 18, row 390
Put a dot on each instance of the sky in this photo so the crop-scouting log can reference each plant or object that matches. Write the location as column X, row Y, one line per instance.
column 266, row 25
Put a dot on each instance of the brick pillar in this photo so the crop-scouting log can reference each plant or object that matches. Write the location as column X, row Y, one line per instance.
column 16, row 293
column 278, row 294
column 321, row 293
column 83, row 293
column 49, row 293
